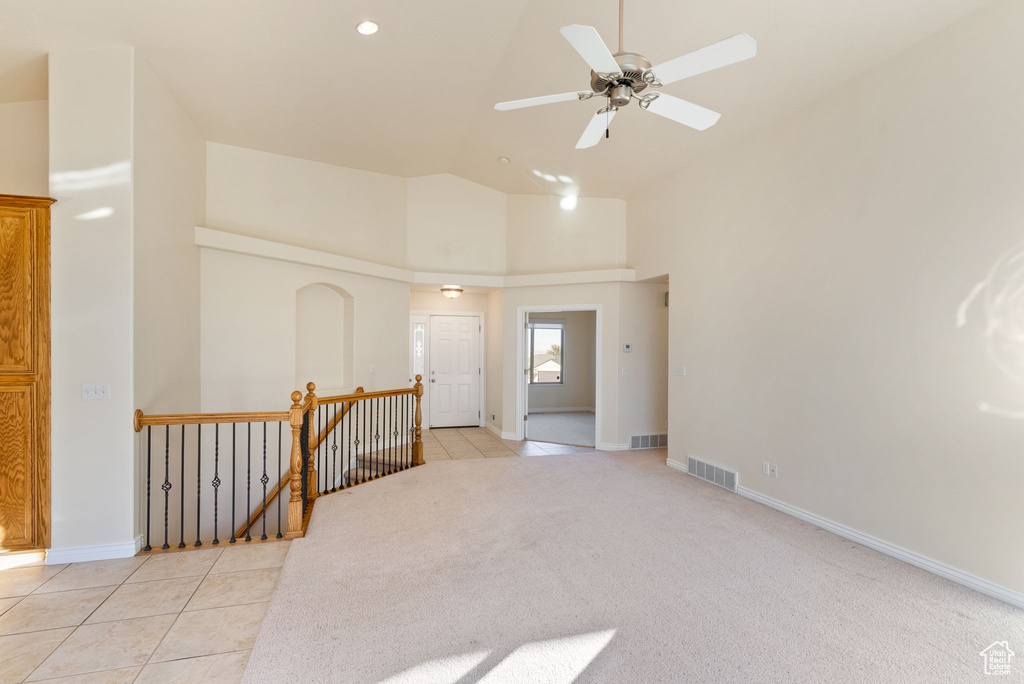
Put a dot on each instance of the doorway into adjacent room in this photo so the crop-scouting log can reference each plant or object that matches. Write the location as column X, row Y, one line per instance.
column 561, row 377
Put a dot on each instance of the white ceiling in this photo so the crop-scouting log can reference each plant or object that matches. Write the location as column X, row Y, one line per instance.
column 295, row 78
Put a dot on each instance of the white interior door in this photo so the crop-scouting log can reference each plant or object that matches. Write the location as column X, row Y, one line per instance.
column 455, row 372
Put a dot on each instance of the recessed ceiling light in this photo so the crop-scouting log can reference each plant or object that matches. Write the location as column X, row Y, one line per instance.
column 549, row 177
column 565, row 179
column 367, row 28
column 568, row 202
column 538, row 174
column 503, row 160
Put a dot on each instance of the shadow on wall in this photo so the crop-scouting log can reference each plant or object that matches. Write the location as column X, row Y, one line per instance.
column 324, row 337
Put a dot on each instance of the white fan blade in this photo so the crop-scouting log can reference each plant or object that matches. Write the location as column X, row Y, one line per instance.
column 544, row 99
column 587, row 41
column 595, row 129
column 723, row 53
column 683, row 112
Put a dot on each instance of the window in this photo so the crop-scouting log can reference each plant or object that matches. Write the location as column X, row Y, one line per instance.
column 546, row 341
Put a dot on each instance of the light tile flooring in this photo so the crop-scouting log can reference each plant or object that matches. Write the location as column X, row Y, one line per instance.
column 190, row 616
column 441, row 444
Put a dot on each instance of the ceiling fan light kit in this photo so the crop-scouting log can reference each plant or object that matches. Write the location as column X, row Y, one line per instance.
column 622, row 77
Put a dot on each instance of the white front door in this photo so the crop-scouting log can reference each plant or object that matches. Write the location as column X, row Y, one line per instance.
column 454, row 382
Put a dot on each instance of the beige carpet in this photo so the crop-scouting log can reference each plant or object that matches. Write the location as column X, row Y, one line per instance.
column 603, row 568
column 575, row 428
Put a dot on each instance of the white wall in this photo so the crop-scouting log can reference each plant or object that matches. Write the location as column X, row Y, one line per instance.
column 817, row 270
column 643, row 323
column 90, row 157
column 23, row 139
column 309, row 204
column 249, row 335
column 455, row 226
column 544, row 238
column 578, row 365
column 169, row 201
column 493, row 364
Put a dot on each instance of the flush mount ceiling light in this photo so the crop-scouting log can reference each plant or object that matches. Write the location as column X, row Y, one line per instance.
column 451, row 291
column 367, row 28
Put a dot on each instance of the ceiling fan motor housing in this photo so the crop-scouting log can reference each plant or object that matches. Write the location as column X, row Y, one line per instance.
column 620, row 89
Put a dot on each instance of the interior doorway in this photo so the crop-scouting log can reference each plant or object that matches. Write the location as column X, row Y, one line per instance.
column 560, row 371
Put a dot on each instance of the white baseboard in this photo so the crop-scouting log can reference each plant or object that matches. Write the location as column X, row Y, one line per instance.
column 80, row 554
column 1014, row 598
column 609, row 446
column 933, row 566
column 564, row 409
column 494, row 431
column 677, row 465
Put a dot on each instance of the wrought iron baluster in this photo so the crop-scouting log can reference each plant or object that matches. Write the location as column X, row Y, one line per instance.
column 334, row 451
column 149, row 487
column 397, row 456
column 199, row 482
column 348, row 471
column 360, row 476
column 166, row 486
column 376, row 436
column 280, row 430
column 265, row 479
column 248, row 480
column 234, row 479
column 181, row 509
column 216, row 478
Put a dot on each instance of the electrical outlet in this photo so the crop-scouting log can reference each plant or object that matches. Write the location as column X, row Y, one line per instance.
column 766, row 468
column 775, row 470
column 96, row 391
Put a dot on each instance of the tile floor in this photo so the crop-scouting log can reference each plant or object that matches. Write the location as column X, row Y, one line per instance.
column 190, row 616
column 441, row 444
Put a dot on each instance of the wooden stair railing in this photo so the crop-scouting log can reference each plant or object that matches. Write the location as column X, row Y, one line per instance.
column 208, row 481
column 247, row 525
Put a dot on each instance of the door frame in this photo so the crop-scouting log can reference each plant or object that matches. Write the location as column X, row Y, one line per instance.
column 426, row 358
column 521, row 384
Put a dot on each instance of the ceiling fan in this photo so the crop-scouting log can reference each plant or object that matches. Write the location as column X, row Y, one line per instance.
column 622, row 77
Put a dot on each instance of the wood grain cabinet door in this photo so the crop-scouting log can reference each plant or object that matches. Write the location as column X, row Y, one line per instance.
column 24, row 372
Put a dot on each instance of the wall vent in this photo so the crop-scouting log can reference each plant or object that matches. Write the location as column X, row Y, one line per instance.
column 727, row 479
column 648, row 441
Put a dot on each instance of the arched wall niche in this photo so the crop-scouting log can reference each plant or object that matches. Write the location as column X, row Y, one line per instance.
column 324, row 334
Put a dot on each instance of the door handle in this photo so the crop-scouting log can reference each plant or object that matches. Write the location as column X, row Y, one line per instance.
column 433, row 380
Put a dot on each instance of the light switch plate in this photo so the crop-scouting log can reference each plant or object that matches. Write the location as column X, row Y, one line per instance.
column 679, row 370
column 626, row 348
column 95, row 391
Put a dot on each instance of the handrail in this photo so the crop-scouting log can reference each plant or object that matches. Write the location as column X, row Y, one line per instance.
column 364, row 395
column 142, row 420
column 247, row 525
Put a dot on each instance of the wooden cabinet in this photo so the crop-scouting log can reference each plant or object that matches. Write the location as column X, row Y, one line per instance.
column 24, row 372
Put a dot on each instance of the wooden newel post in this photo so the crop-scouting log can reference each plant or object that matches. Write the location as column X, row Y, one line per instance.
column 295, row 503
column 417, row 444
column 311, row 485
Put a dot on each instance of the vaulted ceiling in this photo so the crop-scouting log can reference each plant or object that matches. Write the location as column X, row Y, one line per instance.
column 416, row 98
